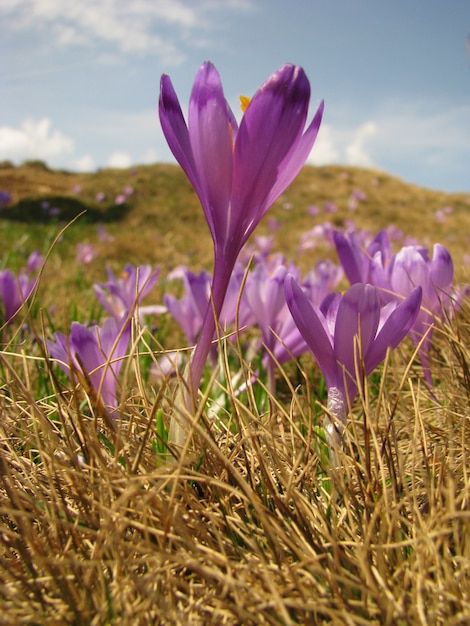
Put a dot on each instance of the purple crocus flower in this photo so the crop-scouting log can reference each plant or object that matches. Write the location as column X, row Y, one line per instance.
column 189, row 310
column 119, row 295
column 94, row 354
column 237, row 171
column 5, row 197
column 356, row 259
column 86, row 252
column 14, row 291
column 264, row 298
column 348, row 336
column 34, row 262
column 410, row 267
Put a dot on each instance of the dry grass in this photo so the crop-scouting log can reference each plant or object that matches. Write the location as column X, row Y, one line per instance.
column 250, row 525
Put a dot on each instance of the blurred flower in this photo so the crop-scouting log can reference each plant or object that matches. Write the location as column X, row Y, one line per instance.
column 189, row 310
column 14, row 291
column 34, row 262
column 128, row 190
column 237, row 171
column 321, row 280
column 330, row 207
column 349, row 336
column 93, row 356
column 441, row 214
column 100, row 196
column 120, row 295
column 274, row 224
column 103, row 235
column 120, row 199
column 264, row 299
column 85, row 252
column 167, row 364
column 355, row 198
column 76, row 189
column 5, row 197
column 319, row 233
column 411, row 267
column 357, row 259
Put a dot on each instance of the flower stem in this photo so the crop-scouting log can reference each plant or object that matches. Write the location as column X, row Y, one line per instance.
column 334, row 422
column 222, row 273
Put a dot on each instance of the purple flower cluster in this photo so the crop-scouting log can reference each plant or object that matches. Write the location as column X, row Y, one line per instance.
column 238, row 170
column 93, row 355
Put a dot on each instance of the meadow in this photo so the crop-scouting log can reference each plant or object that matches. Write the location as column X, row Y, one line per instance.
column 103, row 521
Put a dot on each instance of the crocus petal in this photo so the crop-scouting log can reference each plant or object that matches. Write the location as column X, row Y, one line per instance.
column 113, row 341
column 269, row 131
column 211, row 138
column 60, row 350
column 358, row 314
column 442, row 268
column 409, row 270
column 394, row 329
column 295, row 159
column 312, row 327
column 176, row 132
column 10, row 293
column 84, row 345
column 353, row 259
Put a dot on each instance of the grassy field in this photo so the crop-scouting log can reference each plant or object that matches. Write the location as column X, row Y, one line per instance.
column 251, row 524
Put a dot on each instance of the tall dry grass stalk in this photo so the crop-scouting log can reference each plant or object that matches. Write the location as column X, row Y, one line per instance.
column 250, row 527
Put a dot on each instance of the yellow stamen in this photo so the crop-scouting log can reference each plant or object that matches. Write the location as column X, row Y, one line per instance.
column 244, row 102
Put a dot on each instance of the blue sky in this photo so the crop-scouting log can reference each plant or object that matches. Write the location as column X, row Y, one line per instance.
column 79, row 79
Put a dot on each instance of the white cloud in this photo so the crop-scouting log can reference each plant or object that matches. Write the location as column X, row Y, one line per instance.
column 356, row 151
column 120, row 160
column 139, row 26
column 349, row 146
column 324, row 150
column 421, row 141
column 84, row 164
column 149, row 156
column 34, row 139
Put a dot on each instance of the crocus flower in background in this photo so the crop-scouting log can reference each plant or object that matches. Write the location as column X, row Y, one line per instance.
column 356, row 196
column 189, row 310
column 5, row 197
column 411, row 267
column 321, row 279
column 264, row 298
column 330, row 207
column 85, row 252
column 237, row 171
column 103, row 234
column 319, row 233
column 14, row 291
column 34, row 262
column 356, row 258
column 349, row 336
column 120, row 295
column 94, row 355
